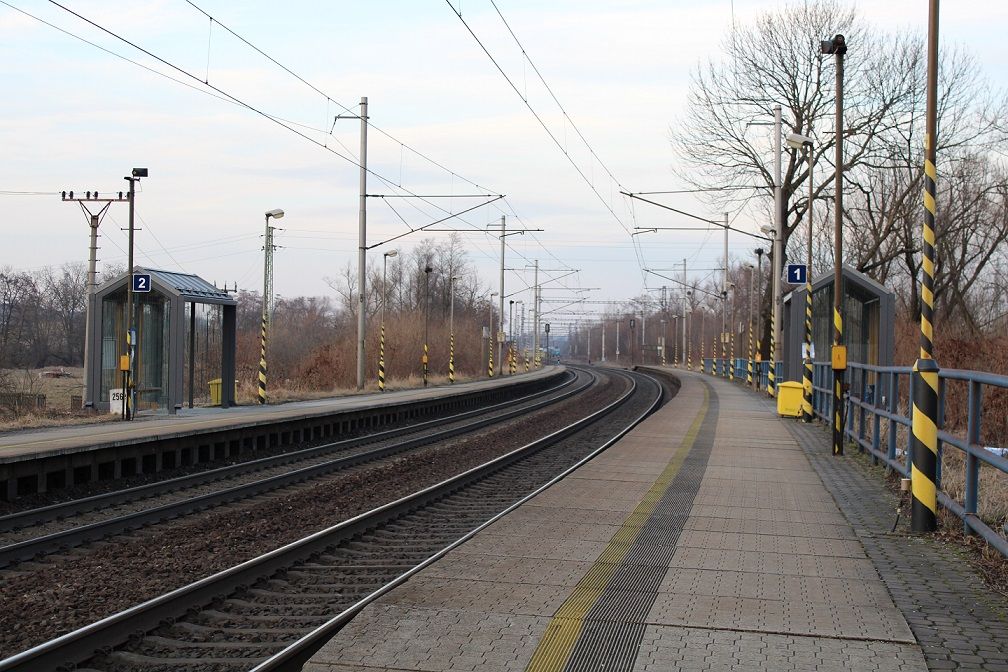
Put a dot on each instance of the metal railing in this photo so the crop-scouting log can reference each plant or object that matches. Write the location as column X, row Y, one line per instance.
column 878, row 403
column 877, row 419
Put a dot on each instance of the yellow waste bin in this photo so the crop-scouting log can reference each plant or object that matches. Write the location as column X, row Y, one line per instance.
column 215, row 391
column 215, row 385
column 789, row 398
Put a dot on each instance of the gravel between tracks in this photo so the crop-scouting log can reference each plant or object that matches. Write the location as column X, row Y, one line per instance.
column 40, row 601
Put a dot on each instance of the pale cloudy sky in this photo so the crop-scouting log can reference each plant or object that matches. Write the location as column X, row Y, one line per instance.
column 73, row 116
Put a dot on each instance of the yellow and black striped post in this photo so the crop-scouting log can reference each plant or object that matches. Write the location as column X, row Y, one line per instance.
column 451, row 358
column 924, row 381
column 807, row 355
column 512, row 360
column 749, row 361
column 771, row 386
column 262, row 363
column 731, row 356
column 490, row 368
column 526, row 357
column 381, row 359
column 425, row 351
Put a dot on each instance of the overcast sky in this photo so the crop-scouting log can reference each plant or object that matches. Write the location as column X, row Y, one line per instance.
column 76, row 117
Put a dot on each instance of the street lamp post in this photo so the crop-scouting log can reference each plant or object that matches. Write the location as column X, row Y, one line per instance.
column 131, row 331
column 451, row 330
column 381, row 337
column 752, row 299
column 267, row 316
column 663, row 339
column 838, row 47
column 796, row 141
column 759, row 310
column 490, row 339
column 426, row 327
column 511, row 363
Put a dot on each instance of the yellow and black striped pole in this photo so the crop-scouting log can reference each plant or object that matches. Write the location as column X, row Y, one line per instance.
column 749, row 359
column 451, row 358
column 838, row 356
column 490, row 368
column 924, row 383
column 424, row 361
column 262, row 363
column 771, row 386
column 525, row 354
column 807, row 355
column 512, row 362
column 381, row 358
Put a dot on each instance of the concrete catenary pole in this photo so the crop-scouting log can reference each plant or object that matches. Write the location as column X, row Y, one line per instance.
column 362, row 246
column 536, row 305
column 496, row 337
column 924, row 439
column 807, row 355
column 776, row 332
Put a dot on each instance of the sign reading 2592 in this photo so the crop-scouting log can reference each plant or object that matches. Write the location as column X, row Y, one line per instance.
column 141, row 282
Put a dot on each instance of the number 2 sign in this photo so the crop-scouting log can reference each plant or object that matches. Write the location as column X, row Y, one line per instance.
column 141, row 282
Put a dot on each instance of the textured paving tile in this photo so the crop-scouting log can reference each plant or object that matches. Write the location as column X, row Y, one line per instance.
column 958, row 624
column 766, row 574
column 693, row 649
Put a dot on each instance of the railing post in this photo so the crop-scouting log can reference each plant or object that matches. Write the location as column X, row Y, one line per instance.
column 893, row 407
column 941, row 425
column 876, row 423
column 862, row 410
column 974, row 406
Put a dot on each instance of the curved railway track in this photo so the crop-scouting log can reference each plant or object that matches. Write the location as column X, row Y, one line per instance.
column 92, row 518
column 272, row 612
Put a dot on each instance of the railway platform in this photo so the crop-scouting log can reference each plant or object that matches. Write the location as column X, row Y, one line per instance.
column 714, row 536
column 36, row 460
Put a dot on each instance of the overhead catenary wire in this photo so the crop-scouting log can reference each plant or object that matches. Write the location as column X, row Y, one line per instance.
column 224, row 95
column 538, row 118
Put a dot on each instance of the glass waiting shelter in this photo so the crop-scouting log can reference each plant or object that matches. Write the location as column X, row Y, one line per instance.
column 869, row 311
column 166, row 338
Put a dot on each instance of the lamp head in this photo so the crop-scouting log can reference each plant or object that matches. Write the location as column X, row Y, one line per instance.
column 799, row 141
column 139, row 172
column 838, row 45
column 275, row 214
column 428, row 269
column 392, row 253
column 768, row 230
column 759, row 251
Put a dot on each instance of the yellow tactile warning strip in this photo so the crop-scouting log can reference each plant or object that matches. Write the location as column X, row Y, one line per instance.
column 561, row 635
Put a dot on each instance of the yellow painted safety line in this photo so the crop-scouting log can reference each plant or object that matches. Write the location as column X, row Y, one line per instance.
column 557, row 642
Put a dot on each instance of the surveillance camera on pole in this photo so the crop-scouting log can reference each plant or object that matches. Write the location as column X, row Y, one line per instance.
column 799, row 141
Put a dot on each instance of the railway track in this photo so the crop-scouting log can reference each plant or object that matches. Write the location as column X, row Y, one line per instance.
column 93, row 518
column 274, row 611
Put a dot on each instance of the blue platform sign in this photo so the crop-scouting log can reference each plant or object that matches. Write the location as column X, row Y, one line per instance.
column 797, row 274
column 141, row 282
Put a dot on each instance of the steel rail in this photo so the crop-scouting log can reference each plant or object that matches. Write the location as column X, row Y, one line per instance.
column 113, row 630
column 294, row 656
column 74, row 507
column 75, row 536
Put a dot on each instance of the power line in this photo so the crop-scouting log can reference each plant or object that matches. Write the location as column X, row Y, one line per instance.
column 224, row 95
column 546, row 128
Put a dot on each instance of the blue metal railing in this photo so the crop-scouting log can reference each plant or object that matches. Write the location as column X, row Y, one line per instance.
column 876, row 407
column 868, row 412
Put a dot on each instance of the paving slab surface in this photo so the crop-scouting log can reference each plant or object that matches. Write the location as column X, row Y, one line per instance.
column 703, row 540
column 27, row 444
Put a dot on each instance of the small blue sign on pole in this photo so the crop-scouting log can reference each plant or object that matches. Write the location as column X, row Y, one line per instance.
column 141, row 282
column 797, row 274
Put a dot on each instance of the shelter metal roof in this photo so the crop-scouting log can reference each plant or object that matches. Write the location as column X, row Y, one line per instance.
column 186, row 286
column 191, row 287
